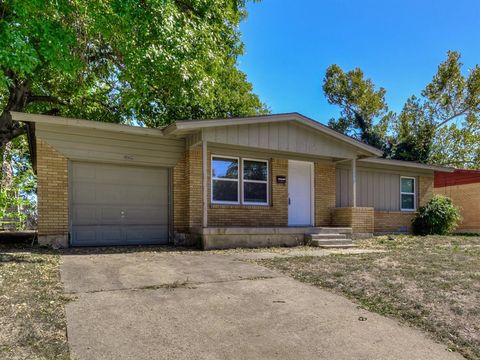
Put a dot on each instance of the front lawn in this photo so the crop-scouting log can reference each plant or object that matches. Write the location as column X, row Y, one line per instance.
column 432, row 283
column 32, row 317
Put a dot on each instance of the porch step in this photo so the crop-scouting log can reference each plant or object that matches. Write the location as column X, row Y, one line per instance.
column 326, row 236
column 335, row 246
column 329, row 241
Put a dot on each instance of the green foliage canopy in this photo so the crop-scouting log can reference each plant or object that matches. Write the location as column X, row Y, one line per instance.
column 151, row 61
column 364, row 112
column 442, row 126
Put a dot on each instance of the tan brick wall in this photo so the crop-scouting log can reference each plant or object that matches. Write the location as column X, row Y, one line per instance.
column 187, row 191
column 425, row 189
column 325, row 190
column 180, row 196
column 195, row 192
column 393, row 221
column 360, row 219
column 467, row 197
column 275, row 214
column 52, row 182
column 187, row 188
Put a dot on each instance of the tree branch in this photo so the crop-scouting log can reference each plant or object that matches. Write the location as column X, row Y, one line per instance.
column 45, row 98
column 451, row 118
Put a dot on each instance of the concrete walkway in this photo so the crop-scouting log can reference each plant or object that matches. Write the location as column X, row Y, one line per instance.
column 148, row 305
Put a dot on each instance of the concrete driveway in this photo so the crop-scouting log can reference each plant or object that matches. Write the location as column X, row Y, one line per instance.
column 161, row 305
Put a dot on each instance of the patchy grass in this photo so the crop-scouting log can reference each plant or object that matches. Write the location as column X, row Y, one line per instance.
column 432, row 283
column 32, row 317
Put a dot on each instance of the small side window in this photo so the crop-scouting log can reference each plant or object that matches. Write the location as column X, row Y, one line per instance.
column 407, row 194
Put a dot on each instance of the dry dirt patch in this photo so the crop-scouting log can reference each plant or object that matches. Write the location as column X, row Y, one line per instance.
column 32, row 318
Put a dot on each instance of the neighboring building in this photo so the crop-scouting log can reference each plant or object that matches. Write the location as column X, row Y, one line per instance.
column 265, row 180
column 463, row 187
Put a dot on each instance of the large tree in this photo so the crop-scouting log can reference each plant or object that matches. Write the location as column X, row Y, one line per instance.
column 443, row 125
column 363, row 111
column 149, row 61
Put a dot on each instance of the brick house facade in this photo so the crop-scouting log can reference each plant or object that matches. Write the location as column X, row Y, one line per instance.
column 187, row 155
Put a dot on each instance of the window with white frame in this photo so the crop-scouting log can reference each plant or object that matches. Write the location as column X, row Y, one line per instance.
column 407, row 193
column 255, row 182
column 225, row 180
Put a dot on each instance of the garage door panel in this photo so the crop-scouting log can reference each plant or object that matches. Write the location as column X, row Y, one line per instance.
column 146, row 234
column 109, row 215
column 98, row 235
column 146, row 215
column 83, row 171
column 119, row 205
column 84, row 193
column 84, row 214
column 147, row 196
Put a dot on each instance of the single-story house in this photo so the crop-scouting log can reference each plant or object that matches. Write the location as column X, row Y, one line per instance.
column 264, row 180
column 463, row 187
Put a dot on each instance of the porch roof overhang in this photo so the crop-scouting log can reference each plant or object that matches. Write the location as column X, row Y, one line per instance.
column 406, row 164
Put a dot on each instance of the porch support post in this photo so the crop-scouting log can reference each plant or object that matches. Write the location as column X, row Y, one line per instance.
column 205, row 184
column 354, row 182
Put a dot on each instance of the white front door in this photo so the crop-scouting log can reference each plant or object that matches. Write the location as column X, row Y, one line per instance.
column 300, row 185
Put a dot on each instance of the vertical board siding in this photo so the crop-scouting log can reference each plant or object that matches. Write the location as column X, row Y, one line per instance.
column 375, row 189
column 281, row 136
column 107, row 146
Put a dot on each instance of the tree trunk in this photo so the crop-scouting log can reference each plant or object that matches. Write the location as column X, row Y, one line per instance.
column 17, row 100
column 7, row 170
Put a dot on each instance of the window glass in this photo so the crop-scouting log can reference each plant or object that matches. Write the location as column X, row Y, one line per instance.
column 408, row 185
column 254, row 192
column 408, row 202
column 224, row 168
column 255, row 170
column 223, row 190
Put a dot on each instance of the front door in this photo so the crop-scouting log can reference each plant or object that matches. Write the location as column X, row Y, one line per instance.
column 300, row 187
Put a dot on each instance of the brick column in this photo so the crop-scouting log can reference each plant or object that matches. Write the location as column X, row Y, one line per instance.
column 360, row 219
column 194, row 176
column 325, row 188
column 52, row 192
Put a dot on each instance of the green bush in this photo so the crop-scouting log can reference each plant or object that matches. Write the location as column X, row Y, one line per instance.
column 438, row 217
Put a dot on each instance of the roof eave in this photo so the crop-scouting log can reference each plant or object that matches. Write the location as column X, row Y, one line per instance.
column 408, row 164
column 82, row 123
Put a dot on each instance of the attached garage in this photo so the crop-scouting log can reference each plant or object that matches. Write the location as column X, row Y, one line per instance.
column 118, row 205
column 102, row 184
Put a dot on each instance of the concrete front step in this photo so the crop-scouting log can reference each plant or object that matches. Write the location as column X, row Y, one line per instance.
column 332, row 241
column 333, row 246
column 331, row 230
column 325, row 236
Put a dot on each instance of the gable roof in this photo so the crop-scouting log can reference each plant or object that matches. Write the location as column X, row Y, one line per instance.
column 184, row 127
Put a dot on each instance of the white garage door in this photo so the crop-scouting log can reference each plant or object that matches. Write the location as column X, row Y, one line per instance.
column 118, row 205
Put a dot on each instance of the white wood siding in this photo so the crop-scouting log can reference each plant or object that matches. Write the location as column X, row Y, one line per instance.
column 281, row 136
column 105, row 146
